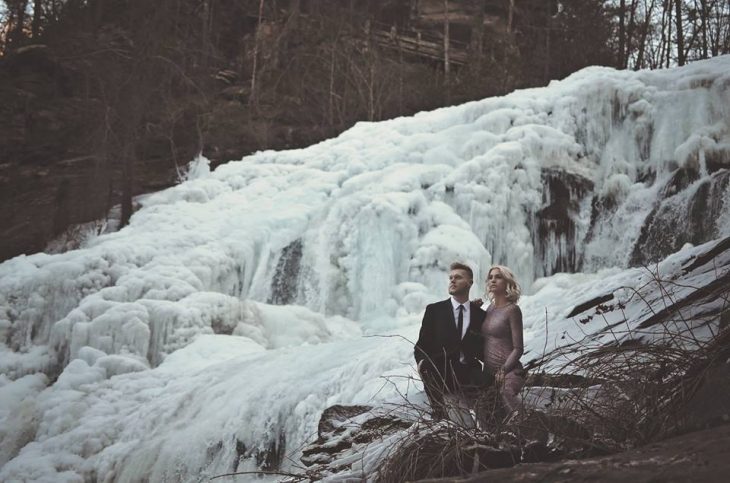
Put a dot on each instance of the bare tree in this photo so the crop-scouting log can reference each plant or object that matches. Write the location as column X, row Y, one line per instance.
column 510, row 15
column 15, row 23
column 681, row 56
column 253, row 96
column 447, row 63
column 37, row 18
column 630, row 32
column 668, row 48
column 622, row 33
column 705, row 14
column 644, row 33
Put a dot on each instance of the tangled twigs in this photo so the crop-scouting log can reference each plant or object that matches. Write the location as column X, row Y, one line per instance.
column 617, row 388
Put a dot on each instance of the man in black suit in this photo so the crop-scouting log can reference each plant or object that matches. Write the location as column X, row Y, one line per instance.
column 449, row 348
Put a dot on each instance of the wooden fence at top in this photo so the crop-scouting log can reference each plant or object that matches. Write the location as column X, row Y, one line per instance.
column 413, row 42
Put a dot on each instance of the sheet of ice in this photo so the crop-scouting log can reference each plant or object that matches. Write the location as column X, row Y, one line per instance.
column 218, row 400
column 352, row 218
column 638, row 294
column 232, row 307
column 225, row 403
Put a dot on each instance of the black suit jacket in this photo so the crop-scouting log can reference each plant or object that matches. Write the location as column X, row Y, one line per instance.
column 438, row 342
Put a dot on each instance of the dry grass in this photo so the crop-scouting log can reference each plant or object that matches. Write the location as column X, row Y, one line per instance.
column 624, row 394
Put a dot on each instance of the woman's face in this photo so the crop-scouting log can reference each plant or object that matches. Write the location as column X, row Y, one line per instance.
column 496, row 284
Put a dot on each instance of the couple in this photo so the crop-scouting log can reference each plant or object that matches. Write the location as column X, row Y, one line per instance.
column 462, row 346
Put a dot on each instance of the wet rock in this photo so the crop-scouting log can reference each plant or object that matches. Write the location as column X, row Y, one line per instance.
column 582, row 307
column 556, row 233
column 708, row 256
column 697, row 211
column 717, row 159
column 284, row 282
column 346, row 430
column 680, row 180
column 269, row 459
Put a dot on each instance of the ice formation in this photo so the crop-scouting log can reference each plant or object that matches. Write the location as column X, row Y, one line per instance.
column 210, row 333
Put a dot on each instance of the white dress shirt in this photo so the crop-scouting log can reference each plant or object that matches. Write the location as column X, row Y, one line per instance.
column 467, row 315
column 466, row 320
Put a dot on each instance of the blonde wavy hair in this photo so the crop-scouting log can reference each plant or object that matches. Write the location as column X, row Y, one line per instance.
column 513, row 288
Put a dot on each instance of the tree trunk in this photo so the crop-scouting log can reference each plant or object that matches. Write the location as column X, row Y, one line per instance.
column 331, row 98
column 705, row 18
column 446, row 42
column 670, row 5
column 252, row 98
column 720, row 37
column 478, row 38
column 621, row 33
column 510, row 15
column 17, row 34
column 371, row 91
column 37, row 18
column 205, row 34
column 644, row 33
column 548, row 27
column 401, row 83
column 680, row 32
column 127, row 185
column 630, row 32
column 662, row 40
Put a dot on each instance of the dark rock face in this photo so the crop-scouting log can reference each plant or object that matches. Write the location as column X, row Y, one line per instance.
column 346, row 430
column 686, row 210
column 582, row 307
column 344, row 435
column 554, row 233
column 708, row 256
column 717, row 159
column 701, row 300
column 284, row 283
column 269, row 459
column 681, row 179
column 681, row 216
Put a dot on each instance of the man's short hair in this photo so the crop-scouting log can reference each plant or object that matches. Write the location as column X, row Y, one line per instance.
column 461, row 266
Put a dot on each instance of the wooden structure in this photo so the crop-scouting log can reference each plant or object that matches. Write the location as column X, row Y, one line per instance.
column 416, row 43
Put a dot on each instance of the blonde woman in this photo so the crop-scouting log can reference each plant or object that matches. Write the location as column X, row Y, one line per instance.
column 502, row 332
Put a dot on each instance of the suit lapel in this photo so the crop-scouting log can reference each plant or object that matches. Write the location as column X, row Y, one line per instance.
column 476, row 318
column 448, row 317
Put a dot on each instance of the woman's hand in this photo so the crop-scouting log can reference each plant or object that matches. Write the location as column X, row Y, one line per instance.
column 478, row 301
column 499, row 377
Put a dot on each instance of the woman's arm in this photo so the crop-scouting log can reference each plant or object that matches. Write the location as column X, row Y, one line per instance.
column 515, row 325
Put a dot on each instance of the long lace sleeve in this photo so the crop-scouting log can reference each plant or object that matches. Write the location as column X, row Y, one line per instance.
column 515, row 325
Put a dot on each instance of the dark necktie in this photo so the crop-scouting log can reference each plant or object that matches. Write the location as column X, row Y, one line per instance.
column 460, row 324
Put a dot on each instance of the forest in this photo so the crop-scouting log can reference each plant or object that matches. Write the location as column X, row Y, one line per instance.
column 102, row 100
column 227, row 225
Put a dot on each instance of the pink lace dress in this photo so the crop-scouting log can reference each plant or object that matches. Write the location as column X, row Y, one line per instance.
column 503, row 346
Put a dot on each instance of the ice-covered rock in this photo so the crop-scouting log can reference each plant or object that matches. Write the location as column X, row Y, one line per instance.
column 299, row 259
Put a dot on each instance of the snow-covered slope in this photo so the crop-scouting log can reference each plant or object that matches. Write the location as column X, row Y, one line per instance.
column 239, row 304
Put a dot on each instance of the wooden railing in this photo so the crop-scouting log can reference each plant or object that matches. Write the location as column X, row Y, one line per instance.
column 414, row 42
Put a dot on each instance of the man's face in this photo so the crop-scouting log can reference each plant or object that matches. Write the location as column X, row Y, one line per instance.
column 459, row 282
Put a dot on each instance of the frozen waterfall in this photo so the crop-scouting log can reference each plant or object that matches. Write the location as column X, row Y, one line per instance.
column 211, row 332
